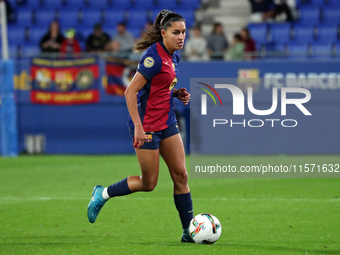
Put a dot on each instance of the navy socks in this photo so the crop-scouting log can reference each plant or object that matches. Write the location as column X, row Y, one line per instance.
column 183, row 204
column 120, row 188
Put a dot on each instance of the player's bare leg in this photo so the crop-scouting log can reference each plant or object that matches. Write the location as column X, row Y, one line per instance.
column 172, row 151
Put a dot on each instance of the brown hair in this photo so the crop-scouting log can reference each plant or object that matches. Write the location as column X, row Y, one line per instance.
column 153, row 34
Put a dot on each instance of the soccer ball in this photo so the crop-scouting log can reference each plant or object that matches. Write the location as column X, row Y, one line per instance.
column 205, row 228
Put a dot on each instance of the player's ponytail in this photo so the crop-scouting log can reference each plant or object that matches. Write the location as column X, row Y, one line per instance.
column 153, row 34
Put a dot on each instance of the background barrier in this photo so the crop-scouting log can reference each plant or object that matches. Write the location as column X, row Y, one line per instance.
column 100, row 128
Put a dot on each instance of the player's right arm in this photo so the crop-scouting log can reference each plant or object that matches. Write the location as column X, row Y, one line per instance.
column 135, row 85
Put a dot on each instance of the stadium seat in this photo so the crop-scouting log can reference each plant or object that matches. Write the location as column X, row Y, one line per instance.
column 298, row 50
column 259, row 32
column 327, row 33
column 99, row 4
column 331, row 14
column 90, row 17
column 337, row 50
column 53, row 4
column 83, row 32
column 334, row 2
column 110, row 30
column 303, row 33
column 29, row 50
column 113, row 17
column 34, row 3
column 43, row 17
column 309, row 14
column 280, row 32
column 136, row 32
column 75, row 4
column 143, row 4
column 188, row 15
column 317, row 2
column 121, row 4
column 36, row 34
column 24, row 17
column 137, row 19
column 16, row 35
column 166, row 4
column 13, row 2
column 12, row 50
column 190, row 4
column 322, row 50
column 68, row 18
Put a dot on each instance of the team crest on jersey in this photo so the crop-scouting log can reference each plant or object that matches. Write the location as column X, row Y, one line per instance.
column 148, row 138
column 149, row 62
column 173, row 84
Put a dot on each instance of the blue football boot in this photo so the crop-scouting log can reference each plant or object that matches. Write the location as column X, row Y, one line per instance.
column 186, row 238
column 96, row 203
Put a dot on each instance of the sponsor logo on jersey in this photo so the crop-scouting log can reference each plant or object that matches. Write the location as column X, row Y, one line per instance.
column 149, row 62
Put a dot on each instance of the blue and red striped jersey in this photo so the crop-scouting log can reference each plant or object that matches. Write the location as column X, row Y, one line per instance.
column 155, row 101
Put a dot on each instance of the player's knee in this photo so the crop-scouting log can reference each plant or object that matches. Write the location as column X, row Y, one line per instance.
column 181, row 177
column 150, row 185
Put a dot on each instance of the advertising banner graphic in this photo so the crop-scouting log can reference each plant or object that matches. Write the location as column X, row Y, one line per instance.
column 65, row 81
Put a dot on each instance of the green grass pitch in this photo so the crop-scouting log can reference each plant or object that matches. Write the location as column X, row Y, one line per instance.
column 44, row 199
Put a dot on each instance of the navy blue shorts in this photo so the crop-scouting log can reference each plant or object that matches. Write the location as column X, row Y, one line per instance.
column 153, row 139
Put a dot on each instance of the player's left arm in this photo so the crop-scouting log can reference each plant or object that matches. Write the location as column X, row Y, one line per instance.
column 182, row 94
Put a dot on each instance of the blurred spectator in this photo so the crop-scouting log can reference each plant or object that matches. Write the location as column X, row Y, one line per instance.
column 98, row 41
column 283, row 10
column 217, row 42
column 52, row 40
column 261, row 10
column 196, row 46
column 124, row 38
column 236, row 50
column 70, row 44
column 146, row 27
column 9, row 11
column 114, row 50
column 249, row 44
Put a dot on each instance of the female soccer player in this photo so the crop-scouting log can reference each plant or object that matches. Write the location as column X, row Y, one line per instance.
column 152, row 124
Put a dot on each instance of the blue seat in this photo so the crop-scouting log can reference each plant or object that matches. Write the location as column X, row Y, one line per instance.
column 298, row 50
column 109, row 29
column 259, row 32
column 143, row 4
column 13, row 2
column 121, row 4
column 36, row 34
column 99, row 4
column 166, row 4
column 113, row 17
column 29, row 50
column 190, row 4
column 90, row 17
column 327, row 33
column 24, row 17
column 75, row 4
column 317, row 2
column 188, row 15
column 68, row 18
column 16, row 35
column 53, row 4
column 322, row 50
column 303, row 33
column 12, row 50
column 337, row 50
column 331, row 14
column 84, row 32
column 43, row 17
column 309, row 14
column 280, row 32
column 34, row 3
column 137, row 19
column 136, row 32
column 334, row 2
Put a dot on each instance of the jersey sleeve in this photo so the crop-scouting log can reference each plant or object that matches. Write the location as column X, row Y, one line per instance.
column 150, row 64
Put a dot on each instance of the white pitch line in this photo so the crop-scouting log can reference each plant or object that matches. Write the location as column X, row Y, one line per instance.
column 22, row 199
